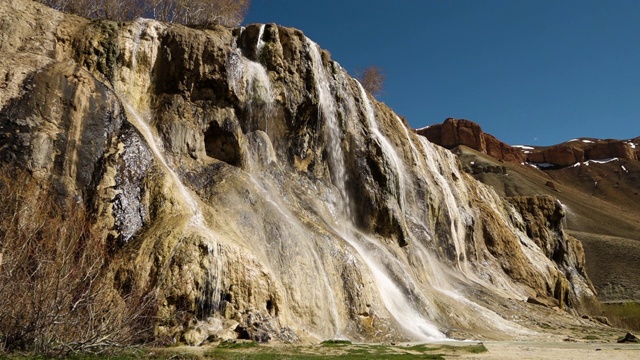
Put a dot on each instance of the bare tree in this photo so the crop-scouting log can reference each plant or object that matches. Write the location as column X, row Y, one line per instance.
column 372, row 79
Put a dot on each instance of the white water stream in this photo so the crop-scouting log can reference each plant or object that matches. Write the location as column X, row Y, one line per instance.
column 405, row 279
column 196, row 221
column 190, row 202
column 374, row 254
column 387, row 149
column 260, row 43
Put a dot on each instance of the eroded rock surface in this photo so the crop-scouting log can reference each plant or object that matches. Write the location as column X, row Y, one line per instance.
column 260, row 193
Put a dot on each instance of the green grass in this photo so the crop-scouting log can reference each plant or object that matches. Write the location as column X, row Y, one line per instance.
column 129, row 355
column 333, row 349
column 343, row 349
column 237, row 345
column 336, row 342
column 625, row 315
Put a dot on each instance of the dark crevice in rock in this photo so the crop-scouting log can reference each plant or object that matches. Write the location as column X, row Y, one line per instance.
column 222, row 144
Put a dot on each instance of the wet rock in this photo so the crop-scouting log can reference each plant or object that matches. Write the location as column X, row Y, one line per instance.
column 629, row 338
column 195, row 337
column 264, row 186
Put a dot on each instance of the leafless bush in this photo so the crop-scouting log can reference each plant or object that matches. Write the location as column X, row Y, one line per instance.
column 190, row 12
column 372, row 79
column 117, row 10
column 201, row 12
column 53, row 267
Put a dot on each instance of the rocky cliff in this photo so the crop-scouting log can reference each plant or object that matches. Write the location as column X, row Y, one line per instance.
column 261, row 193
column 598, row 182
column 455, row 132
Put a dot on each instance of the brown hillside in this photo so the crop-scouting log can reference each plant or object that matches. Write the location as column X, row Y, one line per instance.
column 598, row 182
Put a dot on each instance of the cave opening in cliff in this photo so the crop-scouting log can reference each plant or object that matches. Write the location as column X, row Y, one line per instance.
column 222, row 144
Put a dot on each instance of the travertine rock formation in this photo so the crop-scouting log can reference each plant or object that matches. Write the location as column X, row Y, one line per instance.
column 259, row 192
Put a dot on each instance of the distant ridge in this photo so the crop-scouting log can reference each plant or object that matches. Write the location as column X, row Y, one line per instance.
column 597, row 180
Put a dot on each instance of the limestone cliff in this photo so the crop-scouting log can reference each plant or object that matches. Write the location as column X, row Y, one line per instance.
column 260, row 192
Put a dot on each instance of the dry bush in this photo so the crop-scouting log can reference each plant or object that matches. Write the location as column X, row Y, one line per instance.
column 190, row 12
column 53, row 293
column 117, row 10
column 372, row 79
column 121, row 10
column 201, row 12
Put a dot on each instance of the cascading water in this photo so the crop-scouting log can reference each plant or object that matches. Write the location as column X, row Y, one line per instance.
column 457, row 214
column 210, row 288
column 305, row 214
column 260, row 43
column 387, row 149
column 250, row 81
column 311, row 246
column 190, row 202
column 328, row 112
column 375, row 256
column 149, row 32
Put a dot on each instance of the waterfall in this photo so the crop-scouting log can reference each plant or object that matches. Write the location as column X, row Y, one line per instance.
column 328, row 113
column 250, row 81
column 387, row 149
column 210, row 298
column 459, row 216
column 375, row 256
column 260, row 43
column 196, row 220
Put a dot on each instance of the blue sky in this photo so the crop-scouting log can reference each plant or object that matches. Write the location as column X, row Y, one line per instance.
column 528, row 71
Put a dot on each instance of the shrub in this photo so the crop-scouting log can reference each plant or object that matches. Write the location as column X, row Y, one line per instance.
column 54, row 287
column 372, row 79
column 201, row 12
column 118, row 10
column 189, row 12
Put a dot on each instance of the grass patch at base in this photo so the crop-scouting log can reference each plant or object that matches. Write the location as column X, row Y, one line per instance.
column 625, row 315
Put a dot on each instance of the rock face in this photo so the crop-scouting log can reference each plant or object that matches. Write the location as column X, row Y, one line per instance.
column 455, row 132
column 577, row 151
column 247, row 180
column 607, row 149
column 543, row 216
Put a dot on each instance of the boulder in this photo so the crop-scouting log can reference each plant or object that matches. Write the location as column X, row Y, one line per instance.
column 629, row 338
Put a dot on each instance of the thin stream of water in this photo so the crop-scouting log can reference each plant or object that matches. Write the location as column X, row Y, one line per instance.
column 399, row 306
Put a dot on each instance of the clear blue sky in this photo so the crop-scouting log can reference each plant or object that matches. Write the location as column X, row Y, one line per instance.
column 528, row 71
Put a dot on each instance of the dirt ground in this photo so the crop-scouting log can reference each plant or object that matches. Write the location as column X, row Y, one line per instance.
column 505, row 350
